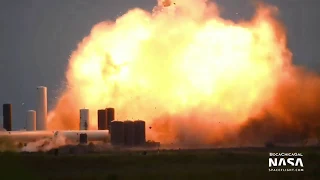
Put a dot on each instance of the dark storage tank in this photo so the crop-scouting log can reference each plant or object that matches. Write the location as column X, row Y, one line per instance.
column 110, row 116
column 117, row 133
column 7, row 116
column 128, row 133
column 83, row 138
column 102, row 119
column 139, row 132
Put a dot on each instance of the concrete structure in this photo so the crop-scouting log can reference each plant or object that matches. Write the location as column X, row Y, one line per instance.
column 84, row 119
column 1, row 122
column 31, row 120
column 139, row 132
column 102, row 120
column 117, row 133
column 128, row 133
column 41, row 115
column 110, row 116
column 7, row 117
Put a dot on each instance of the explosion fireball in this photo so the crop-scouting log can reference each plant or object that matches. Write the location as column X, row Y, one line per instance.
column 194, row 77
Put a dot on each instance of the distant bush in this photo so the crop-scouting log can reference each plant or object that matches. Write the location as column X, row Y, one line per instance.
column 269, row 144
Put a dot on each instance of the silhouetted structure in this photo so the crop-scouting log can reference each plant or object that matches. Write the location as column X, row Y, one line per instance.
column 139, row 132
column 102, row 120
column 117, row 133
column 128, row 133
column 7, row 116
column 83, row 138
column 110, row 116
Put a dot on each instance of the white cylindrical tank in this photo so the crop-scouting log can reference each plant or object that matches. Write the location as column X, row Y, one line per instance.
column 93, row 135
column 27, row 136
column 41, row 114
column 84, row 119
column 31, row 120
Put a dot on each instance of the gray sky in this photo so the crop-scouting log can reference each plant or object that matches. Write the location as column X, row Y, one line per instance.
column 37, row 37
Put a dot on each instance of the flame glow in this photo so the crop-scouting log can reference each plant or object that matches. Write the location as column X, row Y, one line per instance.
column 187, row 72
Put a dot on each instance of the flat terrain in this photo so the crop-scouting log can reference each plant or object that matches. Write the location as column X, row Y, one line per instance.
column 241, row 163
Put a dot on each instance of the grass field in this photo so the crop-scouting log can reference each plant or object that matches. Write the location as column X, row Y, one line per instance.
column 244, row 163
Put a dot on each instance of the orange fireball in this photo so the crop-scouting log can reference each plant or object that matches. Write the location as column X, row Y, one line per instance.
column 166, row 3
column 193, row 77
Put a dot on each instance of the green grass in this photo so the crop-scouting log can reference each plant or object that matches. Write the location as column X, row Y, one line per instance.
column 184, row 164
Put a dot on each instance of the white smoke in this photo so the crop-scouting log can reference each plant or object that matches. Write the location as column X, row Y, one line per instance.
column 45, row 144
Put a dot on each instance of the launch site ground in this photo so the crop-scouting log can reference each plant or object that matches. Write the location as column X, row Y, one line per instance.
column 232, row 163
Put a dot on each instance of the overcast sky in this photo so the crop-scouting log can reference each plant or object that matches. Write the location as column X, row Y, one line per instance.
column 37, row 37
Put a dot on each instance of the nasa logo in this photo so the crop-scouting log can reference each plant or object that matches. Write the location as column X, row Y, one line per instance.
column 275, row 162
column 294, row 161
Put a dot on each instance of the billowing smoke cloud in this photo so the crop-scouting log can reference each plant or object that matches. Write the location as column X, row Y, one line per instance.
column 45, row 144
column 194, row 77
column 293, row 113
